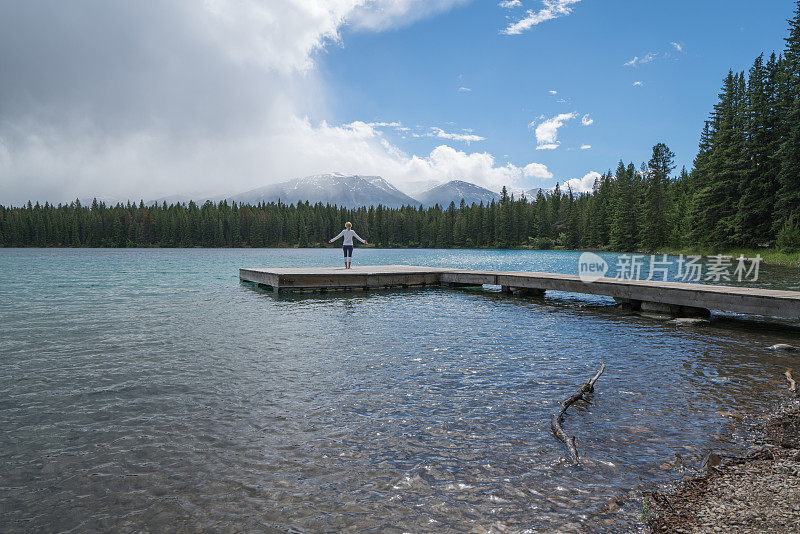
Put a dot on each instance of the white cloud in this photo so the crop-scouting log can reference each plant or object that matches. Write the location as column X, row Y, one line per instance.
column 446, row 163
column 284, row 34
column 582, row 185
column 464, row 90
column 379, row 15
column 638, row 84
column 586, row 147
column 547, row 131
column 648, row 58
column 552, row 9
column 586, row 120
column 395, row 125
column 278, row 35
column 636, row 61
column 253, row 33
column 510, row 4
column 466, row 137
column 537, row 171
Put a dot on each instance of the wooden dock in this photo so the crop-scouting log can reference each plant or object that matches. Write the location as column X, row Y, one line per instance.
column 668, row 298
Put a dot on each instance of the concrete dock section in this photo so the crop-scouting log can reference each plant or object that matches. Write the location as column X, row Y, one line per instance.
column 670, row 298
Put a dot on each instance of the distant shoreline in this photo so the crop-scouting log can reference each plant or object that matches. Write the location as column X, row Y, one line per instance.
column 770, row 256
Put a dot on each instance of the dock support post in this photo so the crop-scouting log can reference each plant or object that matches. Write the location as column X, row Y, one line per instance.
column 645, row 307
column 527, row 292
column 689, row 311
column 628, row 304
column 672, row 310
column 523, row 291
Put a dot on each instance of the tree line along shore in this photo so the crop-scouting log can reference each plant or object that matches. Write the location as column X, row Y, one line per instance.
column 742, row 194
column 510, row 223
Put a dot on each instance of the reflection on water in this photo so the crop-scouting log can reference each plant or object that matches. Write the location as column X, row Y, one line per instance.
column 149, row 389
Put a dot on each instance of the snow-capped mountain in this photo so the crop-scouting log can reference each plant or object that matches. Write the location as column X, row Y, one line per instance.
column 343, row 190
column 454, row 191
column 531, row 194
column 352, row 191
column 417, row 187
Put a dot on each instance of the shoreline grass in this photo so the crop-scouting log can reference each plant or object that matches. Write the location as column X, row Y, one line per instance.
column 770, row 256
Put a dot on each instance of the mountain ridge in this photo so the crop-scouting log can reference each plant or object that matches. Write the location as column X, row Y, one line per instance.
column 339, row 189
column 454, row 191
column 352, row 191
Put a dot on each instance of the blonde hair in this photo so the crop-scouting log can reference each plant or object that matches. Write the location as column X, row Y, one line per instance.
column 348, row 224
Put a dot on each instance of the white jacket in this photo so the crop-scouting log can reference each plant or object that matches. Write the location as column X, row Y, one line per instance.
column 348, row 237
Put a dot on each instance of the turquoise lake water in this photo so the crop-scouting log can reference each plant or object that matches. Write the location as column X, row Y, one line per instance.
column 151, row 390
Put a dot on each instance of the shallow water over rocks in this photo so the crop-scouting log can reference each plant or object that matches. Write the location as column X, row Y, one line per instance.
column 150, row 389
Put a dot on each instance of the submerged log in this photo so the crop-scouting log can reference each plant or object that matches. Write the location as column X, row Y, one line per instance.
column 792, row 383
column 558, row 418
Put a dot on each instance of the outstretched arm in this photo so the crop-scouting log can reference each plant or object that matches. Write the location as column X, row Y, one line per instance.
column 337, row 237
column 357, row 237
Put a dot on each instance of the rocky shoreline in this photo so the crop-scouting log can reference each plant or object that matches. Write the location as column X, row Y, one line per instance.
column 759, row 492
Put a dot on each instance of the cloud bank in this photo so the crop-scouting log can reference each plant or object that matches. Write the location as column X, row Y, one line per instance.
column 146, row 99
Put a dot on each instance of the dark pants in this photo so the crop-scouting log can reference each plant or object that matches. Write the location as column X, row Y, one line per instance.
column 348, row 251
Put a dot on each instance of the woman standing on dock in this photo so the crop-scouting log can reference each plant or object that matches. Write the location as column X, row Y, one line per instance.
column 347, row 245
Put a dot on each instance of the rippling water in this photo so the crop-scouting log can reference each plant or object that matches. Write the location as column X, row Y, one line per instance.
column 149, row 389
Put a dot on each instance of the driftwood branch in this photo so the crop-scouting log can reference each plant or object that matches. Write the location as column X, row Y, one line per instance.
column 558, row 418
column 792, row 383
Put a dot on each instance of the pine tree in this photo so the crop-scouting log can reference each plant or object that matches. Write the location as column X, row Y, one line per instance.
column 623, row 218
column 655, row 229
column 754, row 223
column 714, row 207
column 603, row 197
column 679, row 221
column 787, row 201
column 792, row 52
column 572, row 226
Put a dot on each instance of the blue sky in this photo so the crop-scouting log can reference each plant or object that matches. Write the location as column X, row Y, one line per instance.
column 130, row 100
column 412, row 75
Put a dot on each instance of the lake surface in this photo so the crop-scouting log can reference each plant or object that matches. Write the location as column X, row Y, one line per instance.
column 150, row 389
